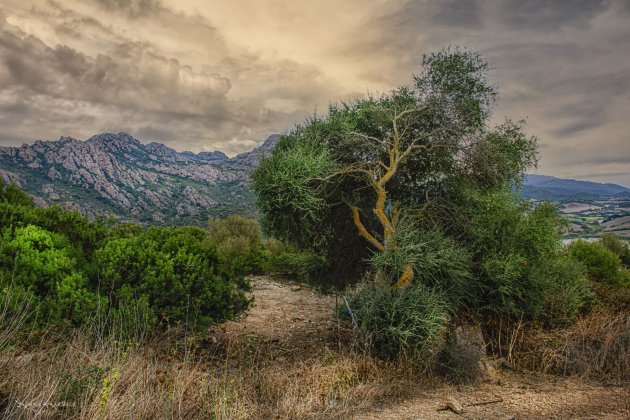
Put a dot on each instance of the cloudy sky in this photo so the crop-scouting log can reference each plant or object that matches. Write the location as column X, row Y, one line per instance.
column 223, row 74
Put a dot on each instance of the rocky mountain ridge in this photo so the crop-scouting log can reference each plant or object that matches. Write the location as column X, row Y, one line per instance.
column 116, row 175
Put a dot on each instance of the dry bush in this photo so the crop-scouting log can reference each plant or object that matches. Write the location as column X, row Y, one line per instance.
column 597, row 346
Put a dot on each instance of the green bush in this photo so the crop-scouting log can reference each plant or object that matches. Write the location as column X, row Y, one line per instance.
column 617, row 246
column 601, row 264
column 234, row 236
column 125, row 230
column 411, row 322
column 439, row 263
column 40, row 266
column 523, row 271
column 623, row 279
column 70, row 271
column 239, row 244
column 298, row 266
column 176, row 271
column 13, row 195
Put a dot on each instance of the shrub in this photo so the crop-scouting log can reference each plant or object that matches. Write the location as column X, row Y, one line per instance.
column 439, row 263
column 617, row 246
column 176, row 271
column 239, row 243
column 601, row 264
column 125, row 230
column 39, row 266
column 234, row 235
column 409, row 322
column 298, row 266
column 524, row 273
column 623, row 279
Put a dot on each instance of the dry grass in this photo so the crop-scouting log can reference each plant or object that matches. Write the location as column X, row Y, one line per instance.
column 597, row 347
column 249, row 371
column 76, row 378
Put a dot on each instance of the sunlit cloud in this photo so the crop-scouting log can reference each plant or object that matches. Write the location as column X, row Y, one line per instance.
column 223, row 75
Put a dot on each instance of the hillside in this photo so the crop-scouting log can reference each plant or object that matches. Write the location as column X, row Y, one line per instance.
column 541, row 187
column 117, row 175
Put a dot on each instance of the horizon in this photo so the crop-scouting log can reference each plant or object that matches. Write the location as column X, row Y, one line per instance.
column 210, row 77
column 272, row 134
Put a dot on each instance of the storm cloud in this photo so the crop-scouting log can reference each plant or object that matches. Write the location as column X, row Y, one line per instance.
column 223, row 75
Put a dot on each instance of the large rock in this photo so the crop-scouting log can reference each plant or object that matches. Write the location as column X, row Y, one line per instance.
column 465, row 356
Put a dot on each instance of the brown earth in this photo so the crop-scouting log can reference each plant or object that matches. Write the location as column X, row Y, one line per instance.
column 296, row 322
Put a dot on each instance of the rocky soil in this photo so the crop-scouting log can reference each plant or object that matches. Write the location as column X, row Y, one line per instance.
column 298, row 321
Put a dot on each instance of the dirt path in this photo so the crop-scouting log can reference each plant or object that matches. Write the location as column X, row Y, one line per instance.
column 518, row 397
column 295, row 321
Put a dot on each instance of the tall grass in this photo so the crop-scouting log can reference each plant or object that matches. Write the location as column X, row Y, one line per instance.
column 113, row 369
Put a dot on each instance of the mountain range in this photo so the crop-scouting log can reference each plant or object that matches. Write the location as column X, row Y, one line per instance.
column 117, row 175
column 542, row 187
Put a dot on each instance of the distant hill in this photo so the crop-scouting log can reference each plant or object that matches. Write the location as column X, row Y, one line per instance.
column 117, row 175
column 541, row 187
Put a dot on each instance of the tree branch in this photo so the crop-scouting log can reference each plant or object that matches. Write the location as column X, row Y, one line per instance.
column 362, row 230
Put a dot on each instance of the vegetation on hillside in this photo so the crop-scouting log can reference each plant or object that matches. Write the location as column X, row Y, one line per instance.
column 71, row 271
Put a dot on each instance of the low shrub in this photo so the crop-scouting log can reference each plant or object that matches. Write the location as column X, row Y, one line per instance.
column 176, row 271
column 410, row 322
column 601, row 264
column 72, row 272
column 439, row 263
column 617, row 246
column 40, row 266
column 234, row 236
column 297, row 266
column 523, row 271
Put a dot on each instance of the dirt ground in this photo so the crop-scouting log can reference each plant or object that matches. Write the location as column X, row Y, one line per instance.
column 294, row 321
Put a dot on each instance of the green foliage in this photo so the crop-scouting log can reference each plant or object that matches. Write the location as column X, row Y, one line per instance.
column 623, row 279
column 70, row 271
column 298, row 266
column 39, row 266
column 288, row 185
column 239, row 244
column 439, row 263
column 601, row 264
column 235, row 228
column 176, row 271
column 440, row 125
column 85, row 236
column 617, row 246
column 125, row 230
column 522, row 269
column 13, row 195
column 345, row 185
column 410, row 322
column 460, row 76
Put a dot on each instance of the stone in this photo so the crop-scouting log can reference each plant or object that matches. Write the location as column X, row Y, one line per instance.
column 455, row 406
column 466, row 354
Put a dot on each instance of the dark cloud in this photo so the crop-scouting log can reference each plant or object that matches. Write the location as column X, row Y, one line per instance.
column 223, row 75
column 549, row 14
column 461, row 13
column 132, row 76
column 132, row 8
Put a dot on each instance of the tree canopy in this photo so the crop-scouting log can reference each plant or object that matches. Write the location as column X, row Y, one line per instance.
column 341, row 183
